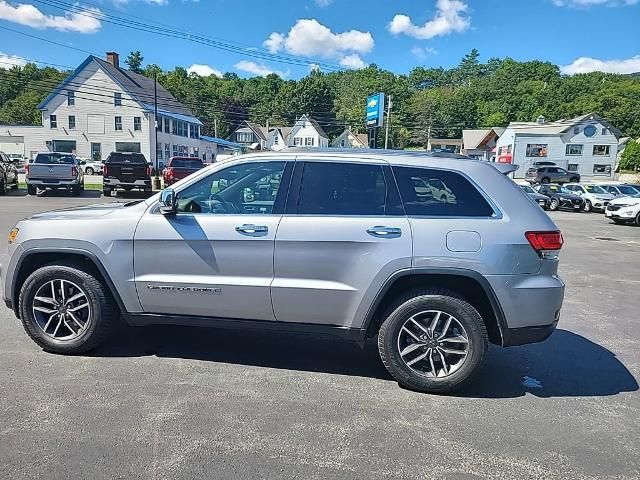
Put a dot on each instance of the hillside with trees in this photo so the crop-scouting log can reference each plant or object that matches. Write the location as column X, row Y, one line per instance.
column 471, row 95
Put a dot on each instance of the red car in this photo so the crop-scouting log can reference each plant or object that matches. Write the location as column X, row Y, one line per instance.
column 179, row 168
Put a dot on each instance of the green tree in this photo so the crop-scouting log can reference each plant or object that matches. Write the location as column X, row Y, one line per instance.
column 134, row 61
column 630, row 159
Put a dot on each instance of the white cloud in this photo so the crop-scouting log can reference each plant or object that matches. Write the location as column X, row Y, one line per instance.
column 449, row 17
column 26, row 14
column 324, row 3
column 204, row 70
column 352, row 61
column 8, row 61
column 592, row 3
column 587, row 64
column 309, row 38
column 423, row 52
column 258, row 69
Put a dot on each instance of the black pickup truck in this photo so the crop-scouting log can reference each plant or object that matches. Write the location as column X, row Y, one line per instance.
column 123, row 170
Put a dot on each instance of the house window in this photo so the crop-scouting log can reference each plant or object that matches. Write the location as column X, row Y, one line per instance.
column 602, row 169
column 297, row 141
column 574, row 150
column 508, row 148
column 244, row 137
column 276, row 139
column 174, row 127
column 118, row 123
column 72, row 122
column 605, row 131
column 159, row 123
column 576, row 130
column 308, row 141
column 590, row 130
column 117, row 99
column 71, row 98
column 137, row 124
column 159, row 151
column 572, row 167
column 601, row 150
column 499, row 151
column 167, row 151
column 175, row 150
column 53, row 121
column 537, row 149
column 167, row 125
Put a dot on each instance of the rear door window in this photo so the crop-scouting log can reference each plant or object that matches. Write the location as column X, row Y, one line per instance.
column 439, row 193
column 342, row 189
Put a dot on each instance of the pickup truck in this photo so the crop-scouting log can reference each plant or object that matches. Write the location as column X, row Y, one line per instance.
column 126, row 171
column 180, row 167
column 54, row 170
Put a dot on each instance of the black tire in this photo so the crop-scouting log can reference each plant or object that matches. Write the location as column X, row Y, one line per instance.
column 32, row 190
column 106, row 192
column 3, row 186
column 75, row 191
column 102, row 317
column 449, row 303
column 587, row 206
column 574, row 180
column 545, row 180
column 637, row 221
column 554, row 204
column 617, row 221
column 89, row 171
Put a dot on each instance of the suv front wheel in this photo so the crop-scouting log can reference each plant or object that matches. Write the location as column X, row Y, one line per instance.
column 66, row 309
column 432, row 341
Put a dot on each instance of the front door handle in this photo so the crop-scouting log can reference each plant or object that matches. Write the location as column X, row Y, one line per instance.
column 253, row 230
column 384, row 232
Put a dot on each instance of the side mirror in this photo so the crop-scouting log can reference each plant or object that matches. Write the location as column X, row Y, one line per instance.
column 83, row 162
column 168, row 201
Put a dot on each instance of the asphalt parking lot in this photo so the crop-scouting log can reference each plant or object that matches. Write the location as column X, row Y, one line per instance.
column 168, row 402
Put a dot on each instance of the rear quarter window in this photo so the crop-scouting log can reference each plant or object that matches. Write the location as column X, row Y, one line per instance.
column 186, row 163
column 439, row 193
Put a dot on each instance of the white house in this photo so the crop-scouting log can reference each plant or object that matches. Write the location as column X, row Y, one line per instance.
column 102, row 108
column 348, row 139
column 277, row 138
column 307, row 132
column 587, row 145
column 481, row 143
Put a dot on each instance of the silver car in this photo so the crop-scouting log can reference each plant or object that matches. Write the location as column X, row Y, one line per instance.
column 349, row 244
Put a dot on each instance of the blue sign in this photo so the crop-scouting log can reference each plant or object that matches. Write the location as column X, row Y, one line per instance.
column 375, row 110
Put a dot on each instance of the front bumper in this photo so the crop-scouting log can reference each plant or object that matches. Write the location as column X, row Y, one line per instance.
column 513, row 337
column 624, row 214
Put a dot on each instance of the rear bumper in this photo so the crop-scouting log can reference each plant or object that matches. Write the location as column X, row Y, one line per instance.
column 36, row 182
column 115, row 183
column 530, row 304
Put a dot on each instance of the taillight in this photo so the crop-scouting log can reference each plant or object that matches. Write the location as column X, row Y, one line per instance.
column 545, row 240
column 74, row 171
column 169, row 172
column 105, row 170
column 26, row 169
column 148, row 171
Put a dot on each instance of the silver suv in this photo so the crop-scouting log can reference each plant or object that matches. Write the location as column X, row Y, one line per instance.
column 350, row 244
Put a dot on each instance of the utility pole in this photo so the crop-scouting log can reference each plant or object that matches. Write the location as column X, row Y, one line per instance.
column 215, row 127
column 386, row 134
column 429, row 132
column 156, row 180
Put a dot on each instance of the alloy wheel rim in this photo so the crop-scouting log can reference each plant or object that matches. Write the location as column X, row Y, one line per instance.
column 433, row 343
column 61, row 309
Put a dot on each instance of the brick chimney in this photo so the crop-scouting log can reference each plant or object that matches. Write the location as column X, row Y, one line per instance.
column 114, row 59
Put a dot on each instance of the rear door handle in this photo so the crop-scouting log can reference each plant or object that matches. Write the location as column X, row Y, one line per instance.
column 252, row 230
column 384, row 232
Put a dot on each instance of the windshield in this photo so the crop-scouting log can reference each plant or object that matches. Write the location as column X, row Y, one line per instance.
column 595, row 189
column 629, row 190
column 558, row 189
column 527, row 189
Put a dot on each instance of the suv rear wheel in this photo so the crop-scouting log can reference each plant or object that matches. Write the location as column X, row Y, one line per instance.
column 432, row 341
column 545, row 180
column 66, row 309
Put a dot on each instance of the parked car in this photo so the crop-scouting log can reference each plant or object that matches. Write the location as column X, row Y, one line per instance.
column 624, row 210
column 595, row 197
column 343, row 244
column 55, row 171
column 551, row 175
column 621, row 189
column 92, row 167
column 540, row 199
column 8, row 174
column 127, row 171
column 560, row 198
column 179, row 168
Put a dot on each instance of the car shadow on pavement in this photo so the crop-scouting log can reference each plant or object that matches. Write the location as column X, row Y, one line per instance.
column 565, row 365
column 281, row 350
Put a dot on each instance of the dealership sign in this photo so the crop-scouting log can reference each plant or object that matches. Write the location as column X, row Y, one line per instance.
column 375, row 110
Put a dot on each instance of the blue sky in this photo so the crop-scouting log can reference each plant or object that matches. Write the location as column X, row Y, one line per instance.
column 581, row 35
